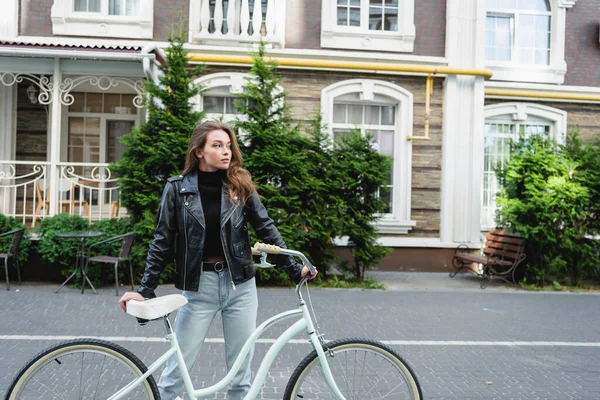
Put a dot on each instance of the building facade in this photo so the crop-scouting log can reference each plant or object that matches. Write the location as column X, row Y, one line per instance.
column 442, row 85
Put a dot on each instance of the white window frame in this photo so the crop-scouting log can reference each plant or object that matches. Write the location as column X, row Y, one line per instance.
column 399, row 221
column 219, row 84
column 556, row 70
column 104, row 117
column 524, row 114
column 361, row 38
column 66, row 21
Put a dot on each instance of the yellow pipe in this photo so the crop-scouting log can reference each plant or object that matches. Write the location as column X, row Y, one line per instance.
column 347, row 65
column 428, row 93
column 542, row 95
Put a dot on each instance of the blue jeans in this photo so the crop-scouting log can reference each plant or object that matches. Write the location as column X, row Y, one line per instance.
column 238, row 311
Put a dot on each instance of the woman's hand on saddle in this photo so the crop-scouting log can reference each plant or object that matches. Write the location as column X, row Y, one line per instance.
column 306, row 273
column 129, row 296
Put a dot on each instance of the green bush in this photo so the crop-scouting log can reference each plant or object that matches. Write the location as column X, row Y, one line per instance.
column 8, row 224
column 56, row 250
column 548, row 194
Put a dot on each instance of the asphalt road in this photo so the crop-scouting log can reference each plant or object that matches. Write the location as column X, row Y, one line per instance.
column 463, row 342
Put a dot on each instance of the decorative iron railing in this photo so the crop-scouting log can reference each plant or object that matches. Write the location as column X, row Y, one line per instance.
column 29, row 191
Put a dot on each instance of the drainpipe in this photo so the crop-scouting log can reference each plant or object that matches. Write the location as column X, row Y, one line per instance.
column 151, row 62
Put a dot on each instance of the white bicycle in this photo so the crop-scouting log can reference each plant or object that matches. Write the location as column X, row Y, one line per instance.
column 344, row 369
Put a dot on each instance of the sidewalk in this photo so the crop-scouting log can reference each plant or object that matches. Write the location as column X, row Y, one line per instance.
column 435, row 281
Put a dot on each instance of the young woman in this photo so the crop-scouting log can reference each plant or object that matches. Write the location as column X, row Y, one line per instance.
column 202, row 227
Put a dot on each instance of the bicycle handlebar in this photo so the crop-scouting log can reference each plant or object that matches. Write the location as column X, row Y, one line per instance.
column 272, row 249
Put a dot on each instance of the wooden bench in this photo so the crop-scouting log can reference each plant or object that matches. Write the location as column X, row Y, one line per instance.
column 503, row 252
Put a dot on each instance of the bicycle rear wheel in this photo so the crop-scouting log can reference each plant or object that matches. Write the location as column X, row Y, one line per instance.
column 82, row 369
column 362, row 369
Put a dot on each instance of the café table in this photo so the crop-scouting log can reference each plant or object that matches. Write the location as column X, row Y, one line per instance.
column 80, row 257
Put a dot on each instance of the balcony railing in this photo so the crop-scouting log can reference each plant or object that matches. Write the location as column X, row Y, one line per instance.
column 234, row 22
column 84, row 189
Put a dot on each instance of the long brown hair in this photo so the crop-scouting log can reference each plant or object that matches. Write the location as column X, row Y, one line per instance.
column 238, row 179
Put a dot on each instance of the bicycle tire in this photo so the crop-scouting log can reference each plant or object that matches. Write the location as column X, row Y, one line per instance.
column 66, row 370
column 355, row 357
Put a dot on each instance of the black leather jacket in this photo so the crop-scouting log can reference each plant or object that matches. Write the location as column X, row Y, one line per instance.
column 180, row 236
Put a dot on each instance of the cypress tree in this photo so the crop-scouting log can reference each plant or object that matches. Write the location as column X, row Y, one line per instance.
column 156, row 150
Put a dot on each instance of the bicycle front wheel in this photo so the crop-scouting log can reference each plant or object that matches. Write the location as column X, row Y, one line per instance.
column 362, row 369
column 82, row 369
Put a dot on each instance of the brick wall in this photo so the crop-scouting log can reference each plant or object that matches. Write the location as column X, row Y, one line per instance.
column 170, row 17
column 32, row 127
column 303, row 26
column 430, row 22
column 35, row 18
column 582, row 51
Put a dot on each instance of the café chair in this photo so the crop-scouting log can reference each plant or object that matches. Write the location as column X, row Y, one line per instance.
column 123, row 256
column 13, row 252
column 67, row 201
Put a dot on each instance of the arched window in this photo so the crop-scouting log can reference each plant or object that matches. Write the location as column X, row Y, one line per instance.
column 218, row 94
column 525, row 39
column 518, row 31
column 383, row 110
column 505, row 122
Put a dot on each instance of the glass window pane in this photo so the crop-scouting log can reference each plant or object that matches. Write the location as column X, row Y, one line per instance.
column 114, row 147
column 504, row 4
column 115, row 7
column 112, row 103
column 132, row 7
column 338, row 134
column 354, row 17
column 372, row 115
column 542, row 40
column 78, row 102
column 93, row 103
column 537, row 5
column 86, row 5
column 498, row 38
column 391, row 3
column 388, row 115
column 127, row 105
column 355, row 114
column 386, row 143
column 339, row 113
column 542, row 57
column 391, row 21
column 80, row 5
column 542, row 23
column 375, row 19
column 376, row 3
column 213, row 104
column 342, row 16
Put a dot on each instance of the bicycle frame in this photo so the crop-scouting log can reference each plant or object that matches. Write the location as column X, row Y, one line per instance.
column 304, row 322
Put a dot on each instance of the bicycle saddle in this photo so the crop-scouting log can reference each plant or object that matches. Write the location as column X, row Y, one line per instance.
column 155, row 308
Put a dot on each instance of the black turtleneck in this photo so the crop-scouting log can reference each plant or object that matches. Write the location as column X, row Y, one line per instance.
column 210, row 185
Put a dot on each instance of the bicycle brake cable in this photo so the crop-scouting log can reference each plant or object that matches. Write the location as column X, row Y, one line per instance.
column 321, row 336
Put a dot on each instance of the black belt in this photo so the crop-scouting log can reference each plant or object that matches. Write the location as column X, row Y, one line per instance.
column 214, row 266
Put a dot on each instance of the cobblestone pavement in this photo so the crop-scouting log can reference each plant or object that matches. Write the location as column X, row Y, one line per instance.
column 463, row 342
